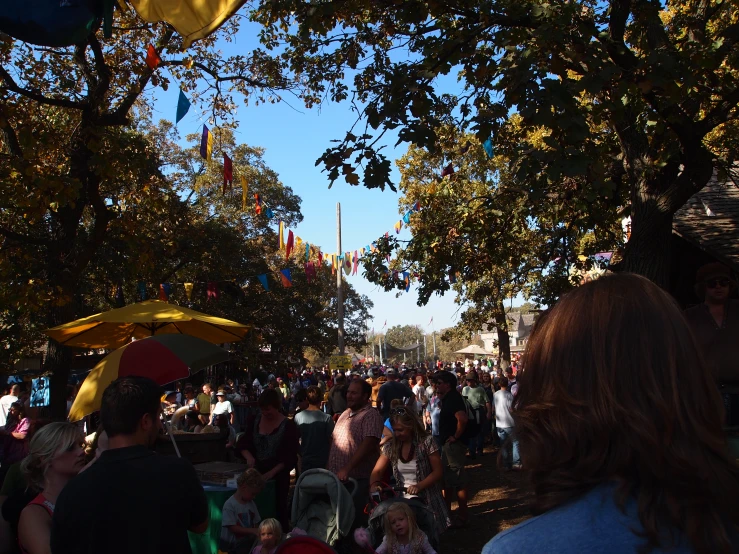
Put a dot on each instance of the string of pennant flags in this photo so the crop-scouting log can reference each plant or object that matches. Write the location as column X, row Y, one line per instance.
column 315, row 258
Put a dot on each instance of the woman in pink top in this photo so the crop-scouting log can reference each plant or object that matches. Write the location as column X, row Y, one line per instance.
column 56, row 455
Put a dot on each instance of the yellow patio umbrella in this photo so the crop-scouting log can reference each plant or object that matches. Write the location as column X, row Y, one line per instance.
column 116, row 328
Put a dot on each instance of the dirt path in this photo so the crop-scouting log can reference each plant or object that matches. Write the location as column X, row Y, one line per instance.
column 497, row 500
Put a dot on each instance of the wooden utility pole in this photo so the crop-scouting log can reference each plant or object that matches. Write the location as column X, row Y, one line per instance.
column 339, row 282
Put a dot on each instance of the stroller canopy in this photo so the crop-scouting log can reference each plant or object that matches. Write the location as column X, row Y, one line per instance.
column 322, row 506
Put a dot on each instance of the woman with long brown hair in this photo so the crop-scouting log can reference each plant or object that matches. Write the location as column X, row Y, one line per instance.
column 620, row 430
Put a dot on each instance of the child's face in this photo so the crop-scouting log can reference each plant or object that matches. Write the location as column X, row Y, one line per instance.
column 248, row 493
column 268, row 538
column 398, row 523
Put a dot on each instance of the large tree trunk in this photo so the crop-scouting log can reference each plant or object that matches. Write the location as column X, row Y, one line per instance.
column 504, row 340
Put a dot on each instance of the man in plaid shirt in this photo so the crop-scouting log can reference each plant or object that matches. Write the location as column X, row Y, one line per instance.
column 355, row 443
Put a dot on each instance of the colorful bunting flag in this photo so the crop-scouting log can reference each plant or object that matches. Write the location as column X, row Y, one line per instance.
column 206, row 144
column 269, row 213
column 162, row 293
column 188, row 291
column 257, row 204
column 448, row 170
column 452, row 277
column 488, row 146
column 228, row 173
column 347, row 263
column 307, row 252
column 290, row 244
column 263, row 279
column 310, row 271
column 212, row 290
column 152, row 57
column 287, row 280
column 282, row 235
column 368, row 249
column 417, row 206
column 356, row 264
column 183, row 106
column 407, row 279
column 407, row 218
column 244, row 193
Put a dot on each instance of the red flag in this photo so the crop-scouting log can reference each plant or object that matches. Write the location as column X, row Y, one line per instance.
column 152, row 58
column 257, row 204
column 290, row 244
column 228, row 173
column 448, row 170
column 213, row 290
column 356, row 263
column 287, row 280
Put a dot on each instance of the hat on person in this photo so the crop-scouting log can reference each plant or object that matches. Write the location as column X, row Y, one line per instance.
column 471, row 376
column 711, row 270
column 476, row 362
column 220, row 393
column 391, row 371
column 445, row 377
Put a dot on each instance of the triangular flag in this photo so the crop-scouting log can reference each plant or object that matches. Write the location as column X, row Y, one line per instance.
column 269, row 213
column 282, row 235
column 356, row 264
column 363, row 252
column 407, row 218
column 407, row 279
column 213, row 290
column 228, row 173
column 290, row 243
column 448, row 170
column 488, row 146
column 188, row 291
column 152, row 58
column 263, row 280
column 298, row 243
column 206, row 144
column 183, row 106
column 287, row 280
column 347, row 263
column 244, row 193
column 368, row 249
column 417, row 206
column 162, row 293
column 398, row 227
column 307, row 252
column 310, row 271
column 257, row 204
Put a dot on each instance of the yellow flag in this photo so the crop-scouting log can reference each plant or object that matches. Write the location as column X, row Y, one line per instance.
column 298, row 243
column 282, row 235
column 193, row 19
column 244, row 193
column 188, row 291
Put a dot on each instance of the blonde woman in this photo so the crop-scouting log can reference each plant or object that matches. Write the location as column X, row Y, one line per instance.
column 416, row 463
column 56, row 454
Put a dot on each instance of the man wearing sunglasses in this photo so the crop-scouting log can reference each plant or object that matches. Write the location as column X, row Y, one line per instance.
column 715, row 323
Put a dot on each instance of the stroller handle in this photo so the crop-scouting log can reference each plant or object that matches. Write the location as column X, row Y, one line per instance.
column 354, row 489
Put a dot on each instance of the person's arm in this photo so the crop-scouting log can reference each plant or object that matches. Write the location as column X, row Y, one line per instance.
column 426, row 547
column 461, row 426
column 21, row 431
column 366, row 448
column 287, row 452
column 387, row 434
column 489, row 409
column 383, row 462
column 245, row 445
column 231, row 412
column 437, row 472
column 34, row 530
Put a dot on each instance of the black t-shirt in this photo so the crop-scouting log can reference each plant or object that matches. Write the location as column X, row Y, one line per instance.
column 450, row 405
column 390, row 391
column 129, row 500
column 337, row 399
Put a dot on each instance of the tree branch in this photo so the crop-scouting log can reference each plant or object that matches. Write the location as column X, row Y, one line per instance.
column 214, row 74
column 8, row 133
column 12, row 86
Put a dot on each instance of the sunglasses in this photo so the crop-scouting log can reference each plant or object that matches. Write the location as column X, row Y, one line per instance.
column 398, row 411
column 713, row 283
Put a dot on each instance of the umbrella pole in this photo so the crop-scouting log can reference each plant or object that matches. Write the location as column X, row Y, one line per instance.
column 174, row 442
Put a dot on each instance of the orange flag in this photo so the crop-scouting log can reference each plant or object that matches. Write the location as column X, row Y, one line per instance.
column 152, row 58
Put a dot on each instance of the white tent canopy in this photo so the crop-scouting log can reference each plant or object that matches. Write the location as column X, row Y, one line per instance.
column 474, row 349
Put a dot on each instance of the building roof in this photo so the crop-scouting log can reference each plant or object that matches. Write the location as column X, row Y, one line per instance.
column 516, row 321
column 710, row 221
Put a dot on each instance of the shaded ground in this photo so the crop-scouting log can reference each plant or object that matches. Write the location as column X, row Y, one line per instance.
column 497, row 500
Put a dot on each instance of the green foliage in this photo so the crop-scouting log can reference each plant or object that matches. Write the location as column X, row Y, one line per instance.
column 633, row 102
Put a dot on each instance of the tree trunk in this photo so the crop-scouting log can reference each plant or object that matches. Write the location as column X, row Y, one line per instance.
column 504, row 341
column 647, row 252
column 58, row 362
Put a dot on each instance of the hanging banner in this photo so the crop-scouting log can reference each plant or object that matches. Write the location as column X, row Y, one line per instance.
column 244, row 193
column 183, row 106
column 206, row 144
column 287, row 279
column 188, row 291
column 228, row 173
column 263, row 280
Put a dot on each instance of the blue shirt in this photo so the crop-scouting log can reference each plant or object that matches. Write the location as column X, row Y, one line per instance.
column 593, row 524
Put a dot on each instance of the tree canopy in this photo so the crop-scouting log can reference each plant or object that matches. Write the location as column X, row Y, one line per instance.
column 636, row 103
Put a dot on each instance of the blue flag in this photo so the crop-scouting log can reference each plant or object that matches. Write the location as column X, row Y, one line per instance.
column 263, row 280
column 183, row 106
column 488, row 146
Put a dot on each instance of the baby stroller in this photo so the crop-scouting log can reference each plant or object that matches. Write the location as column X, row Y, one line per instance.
column 322, row 506
column 424, row 517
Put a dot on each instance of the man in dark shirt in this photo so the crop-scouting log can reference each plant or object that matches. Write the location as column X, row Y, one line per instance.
column 130, row 499
column 337, row 397
column 390, row 391
column 453, row 436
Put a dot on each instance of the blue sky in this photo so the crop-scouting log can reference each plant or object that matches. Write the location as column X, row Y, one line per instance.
column 294, row 137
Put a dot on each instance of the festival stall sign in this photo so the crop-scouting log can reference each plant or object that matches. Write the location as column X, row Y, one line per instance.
column 115, row 328
column 340, row 362
column 162, row 358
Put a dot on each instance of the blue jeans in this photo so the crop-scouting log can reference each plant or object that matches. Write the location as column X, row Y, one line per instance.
column 509, row 445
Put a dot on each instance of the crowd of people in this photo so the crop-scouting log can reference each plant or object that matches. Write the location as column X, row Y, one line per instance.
column 612, row 413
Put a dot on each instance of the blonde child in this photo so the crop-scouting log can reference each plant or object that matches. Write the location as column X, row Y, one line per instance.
column 270, row 536
column 402, row 535
column 240, row 518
